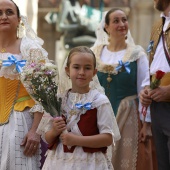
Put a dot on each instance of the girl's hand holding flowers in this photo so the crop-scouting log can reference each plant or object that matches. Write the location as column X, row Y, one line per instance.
column 59, row 125
column 41, row 82
column 68, row 139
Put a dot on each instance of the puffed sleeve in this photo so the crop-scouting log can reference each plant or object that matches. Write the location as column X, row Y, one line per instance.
column 107, row 121
column 143, row 79
column 44, row 125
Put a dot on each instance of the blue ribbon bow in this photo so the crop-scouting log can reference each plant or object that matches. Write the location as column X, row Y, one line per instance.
column 12, row 60
column 123, row 65
column 150, row 46
column 86, row 106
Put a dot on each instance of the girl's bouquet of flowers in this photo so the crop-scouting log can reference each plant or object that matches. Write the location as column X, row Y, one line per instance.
column 40, row 80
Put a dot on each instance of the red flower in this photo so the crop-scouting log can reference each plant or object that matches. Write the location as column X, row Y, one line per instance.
column 159, row 74
column 154, row 84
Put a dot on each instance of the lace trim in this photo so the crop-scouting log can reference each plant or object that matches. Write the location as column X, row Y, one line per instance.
column 77, row 159
column 30, row 50
column 127, row 147
column 132, row 54
column 44, row 126
column 91, row 96
column 37, row 108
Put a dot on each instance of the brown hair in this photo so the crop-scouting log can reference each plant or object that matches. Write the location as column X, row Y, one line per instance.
column 80, row 49
column 18, row 11
column 107, row 17
column 161, row 5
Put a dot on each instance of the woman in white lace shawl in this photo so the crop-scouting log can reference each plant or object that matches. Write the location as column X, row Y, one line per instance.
column 122, row 66
column 19, row 115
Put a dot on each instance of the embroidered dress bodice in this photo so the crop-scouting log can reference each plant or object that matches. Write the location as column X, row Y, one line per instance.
column 136, row 57
column 121, row 86
column 11, row 90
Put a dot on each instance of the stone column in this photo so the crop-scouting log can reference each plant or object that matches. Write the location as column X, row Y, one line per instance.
column 141, row 18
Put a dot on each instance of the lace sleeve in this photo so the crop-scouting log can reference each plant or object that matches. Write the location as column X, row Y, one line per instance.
column 31, row 50
column 44, row 125
column 36, row 108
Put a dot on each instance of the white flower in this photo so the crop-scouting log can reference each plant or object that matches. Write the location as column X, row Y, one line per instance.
column 50, row 66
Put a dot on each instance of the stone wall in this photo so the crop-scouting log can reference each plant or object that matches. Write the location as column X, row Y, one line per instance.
column 141, row 17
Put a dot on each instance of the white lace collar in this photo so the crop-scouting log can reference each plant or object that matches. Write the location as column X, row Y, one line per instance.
column 69, row 99
column 71, row 113
column 131, row 54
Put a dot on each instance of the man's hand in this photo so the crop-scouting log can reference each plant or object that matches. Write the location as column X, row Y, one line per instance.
column 160, row 94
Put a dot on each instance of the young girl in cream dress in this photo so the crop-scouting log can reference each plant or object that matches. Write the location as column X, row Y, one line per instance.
column 81, row 137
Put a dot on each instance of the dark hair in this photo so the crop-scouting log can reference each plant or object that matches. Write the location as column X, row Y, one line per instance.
column 166, row 2
column 80, row 49
column 107, row 17
column 161, row 5
column 18, row 11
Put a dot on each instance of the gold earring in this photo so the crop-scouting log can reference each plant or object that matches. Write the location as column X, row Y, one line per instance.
column 17, row 32
column 20, row 30
column 109, row 37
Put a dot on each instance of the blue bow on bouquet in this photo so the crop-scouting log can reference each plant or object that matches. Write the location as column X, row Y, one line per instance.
column 12, row 60
column 86, row 106
column 150, row 46
column 123, row 65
